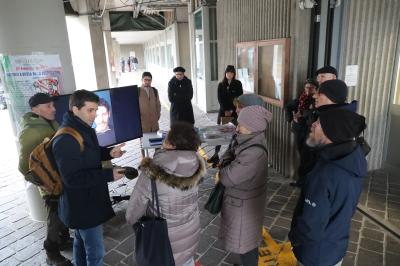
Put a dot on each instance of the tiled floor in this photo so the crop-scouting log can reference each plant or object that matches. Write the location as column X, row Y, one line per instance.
column 21, row 239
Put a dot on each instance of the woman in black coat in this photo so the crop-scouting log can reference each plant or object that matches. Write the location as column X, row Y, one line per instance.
column 228, row 89
column 180, row 94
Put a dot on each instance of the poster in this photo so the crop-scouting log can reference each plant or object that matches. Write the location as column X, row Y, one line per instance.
column 25, row 75
column 351, row 75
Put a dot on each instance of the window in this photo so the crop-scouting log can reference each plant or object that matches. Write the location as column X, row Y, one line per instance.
column 213, row 43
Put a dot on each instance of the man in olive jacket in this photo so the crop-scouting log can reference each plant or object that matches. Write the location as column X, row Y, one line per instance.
column 36, row 126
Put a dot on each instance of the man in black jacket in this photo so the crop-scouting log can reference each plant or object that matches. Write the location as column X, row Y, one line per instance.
column 180, row 94
column 85, row 204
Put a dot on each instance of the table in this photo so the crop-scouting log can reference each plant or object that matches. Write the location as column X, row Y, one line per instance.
column 210, row 135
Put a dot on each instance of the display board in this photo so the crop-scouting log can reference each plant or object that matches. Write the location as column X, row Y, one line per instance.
column 118, row 114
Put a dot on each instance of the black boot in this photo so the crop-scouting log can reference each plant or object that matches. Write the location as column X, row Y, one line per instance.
column 55, row 258
column 66, row 243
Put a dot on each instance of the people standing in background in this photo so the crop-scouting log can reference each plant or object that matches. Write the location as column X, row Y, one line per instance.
column 135, row 63
column 122, row 65
column 180, row 94
column 326, row 73
column 149, row 104
column 228, row 90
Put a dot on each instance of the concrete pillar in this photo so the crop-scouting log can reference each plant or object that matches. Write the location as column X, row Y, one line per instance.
column 112, row 64
column 99, row 53
column 28, row 26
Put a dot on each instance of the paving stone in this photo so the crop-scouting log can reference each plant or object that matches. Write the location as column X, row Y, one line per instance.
column 371, row 245
column 7, row 240
column 113, row 257
column 280, row 199
column 271, row 213
column 219, row 244
column 393, row 214
column 127, row 246
column 376, row 206
column 275, row 205
column 372, row 234
column 283, row 222
column 5, row 231
column 268, row 221
column 354, row 236
column 121, row 233
column 371, row 225
column 216, row 221
column 279, row 233
column 21, row 233
column 392, row 244
column 369, row 258
column 22, row 223
column 355, row 225
column 392, row 259
column 205, row 243
column 349, row 259
column 28, row 252
column 212, row 257
column 23, row 243
column 357, row 216
column 211, row 230
column 130, row 260
column 352, row 247
column 5, row 253
column 232, row 258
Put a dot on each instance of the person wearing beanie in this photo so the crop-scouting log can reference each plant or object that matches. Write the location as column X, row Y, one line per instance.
column 248, row 99
column 332, row 94
column 180, row 94
column 229, row 89
column 326, row 73
column 245, row 181
column 37, row 125
column 322, row 218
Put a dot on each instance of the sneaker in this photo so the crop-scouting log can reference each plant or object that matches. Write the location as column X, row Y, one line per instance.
column 57, row 259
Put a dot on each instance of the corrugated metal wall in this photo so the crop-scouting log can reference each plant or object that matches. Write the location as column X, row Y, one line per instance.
column 371, row 30
column 250, row 20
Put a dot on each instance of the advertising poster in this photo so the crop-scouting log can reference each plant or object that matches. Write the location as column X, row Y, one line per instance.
column 25, row 75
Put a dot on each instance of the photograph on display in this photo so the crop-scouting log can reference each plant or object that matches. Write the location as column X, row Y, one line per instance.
column 104, row 123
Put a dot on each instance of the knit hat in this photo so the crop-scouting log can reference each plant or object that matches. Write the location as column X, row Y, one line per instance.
column 179, row 69
column 40, row 98
column 250, row 99
column 341, row 125
column 336, row 90
column 230, row 68
column 326, row 69
column 254, row 118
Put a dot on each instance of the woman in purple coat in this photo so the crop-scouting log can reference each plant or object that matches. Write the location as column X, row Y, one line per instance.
column 245, row 181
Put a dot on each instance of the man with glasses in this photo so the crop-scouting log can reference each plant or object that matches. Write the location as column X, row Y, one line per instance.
column 150, row 106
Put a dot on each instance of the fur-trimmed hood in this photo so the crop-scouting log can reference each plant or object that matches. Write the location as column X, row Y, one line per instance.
column 178, row 169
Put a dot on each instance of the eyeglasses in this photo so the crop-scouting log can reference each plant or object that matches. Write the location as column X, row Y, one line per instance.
column 146, row 79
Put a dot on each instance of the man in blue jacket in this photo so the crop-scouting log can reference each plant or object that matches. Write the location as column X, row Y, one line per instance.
column 321, row 221
column 85, row 204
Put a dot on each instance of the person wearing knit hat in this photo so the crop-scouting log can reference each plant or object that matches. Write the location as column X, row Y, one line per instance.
column 253, row 119
column 229, row 89
column 245, row 182
column 331, row 92
column 321, row 222
column 326, row 73
column 248, row 99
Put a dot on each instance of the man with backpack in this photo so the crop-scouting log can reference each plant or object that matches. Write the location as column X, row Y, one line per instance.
column 36, row 126
column 85, row 201
column 149, row 104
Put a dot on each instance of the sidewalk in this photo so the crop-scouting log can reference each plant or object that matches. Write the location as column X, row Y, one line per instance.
column 21, row 239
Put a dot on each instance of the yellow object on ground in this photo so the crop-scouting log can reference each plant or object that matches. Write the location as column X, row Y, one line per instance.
column 272, row 253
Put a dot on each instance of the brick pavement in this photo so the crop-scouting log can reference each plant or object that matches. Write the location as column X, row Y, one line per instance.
column 21, row 239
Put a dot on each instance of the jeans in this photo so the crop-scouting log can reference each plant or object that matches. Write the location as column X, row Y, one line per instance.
column 250, row 258
column 88, row 246
column 56, row 230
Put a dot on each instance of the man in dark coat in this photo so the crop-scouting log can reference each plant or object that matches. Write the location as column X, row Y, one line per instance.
column 321, row 221
column 180, row 94
column 85, row 204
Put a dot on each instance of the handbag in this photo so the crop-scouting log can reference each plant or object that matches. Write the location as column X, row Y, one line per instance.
column 214, row 202
column 152, row 242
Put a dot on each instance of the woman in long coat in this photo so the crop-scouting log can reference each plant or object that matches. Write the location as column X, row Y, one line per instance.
column 180, row 94
column 177, row 170
column 245, row 181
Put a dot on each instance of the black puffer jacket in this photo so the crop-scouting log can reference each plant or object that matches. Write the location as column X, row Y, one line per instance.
column 226, row 94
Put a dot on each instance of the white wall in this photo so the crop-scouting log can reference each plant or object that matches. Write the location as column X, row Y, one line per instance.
column 81, row 52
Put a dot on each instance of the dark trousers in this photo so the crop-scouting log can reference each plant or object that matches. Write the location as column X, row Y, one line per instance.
column 250, row 258
column 56, row 230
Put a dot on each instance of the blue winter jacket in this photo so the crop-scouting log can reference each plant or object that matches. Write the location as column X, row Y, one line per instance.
column 321, row 222
column 85, row 200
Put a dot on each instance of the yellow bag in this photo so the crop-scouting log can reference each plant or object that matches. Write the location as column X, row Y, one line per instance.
column 272, row 253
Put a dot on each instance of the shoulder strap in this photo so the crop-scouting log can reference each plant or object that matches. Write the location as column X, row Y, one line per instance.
column 73, row 132
column 256, row 145
column 154, row 197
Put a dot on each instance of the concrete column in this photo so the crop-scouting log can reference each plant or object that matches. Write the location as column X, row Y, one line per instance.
column 99, row 54
column 28, row 26
column 112, row 65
